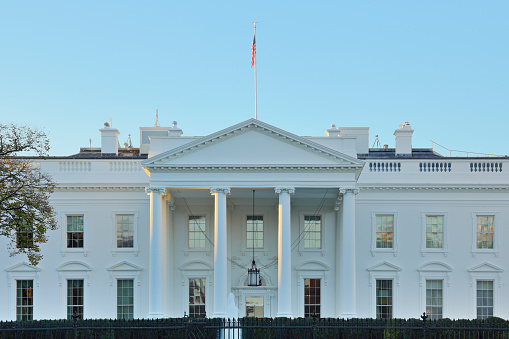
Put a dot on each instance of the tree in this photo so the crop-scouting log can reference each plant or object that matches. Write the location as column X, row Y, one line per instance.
column 25, row 212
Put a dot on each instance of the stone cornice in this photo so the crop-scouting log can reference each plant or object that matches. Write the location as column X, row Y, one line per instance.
column 433, row 188
column 62, row 188
column 249, row 168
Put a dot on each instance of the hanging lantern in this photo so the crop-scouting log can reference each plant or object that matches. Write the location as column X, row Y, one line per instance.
column 253, row 273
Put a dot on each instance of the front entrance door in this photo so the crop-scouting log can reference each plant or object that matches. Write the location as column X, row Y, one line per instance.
column 254, row 307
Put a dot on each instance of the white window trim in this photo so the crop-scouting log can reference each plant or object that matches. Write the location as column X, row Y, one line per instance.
column 196, row 270
column 64, row 249
column 23, row 271
column 394, row 250
column 268, row 292
column 384, row 271
column 495, row 249
column 322, row 250
column 125, row 270
column 208, row 248
column 313, row 270
column 436, row 270
column 74, row 270
column 244, row 248
column 445, row 249
column 485, row 271
column 114, row 249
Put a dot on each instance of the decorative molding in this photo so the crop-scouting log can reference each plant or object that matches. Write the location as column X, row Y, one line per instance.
column 224, row 190
column 338, row 201
column 60, row 188
column 160, row 190
column 435, row 188
column 252, row 167
column 289, row 190
column 349, row 190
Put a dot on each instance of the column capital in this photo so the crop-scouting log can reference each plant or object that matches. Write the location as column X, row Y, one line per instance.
column 349, row 190
column 153, row 189
column 225, row 190
column 289, row 190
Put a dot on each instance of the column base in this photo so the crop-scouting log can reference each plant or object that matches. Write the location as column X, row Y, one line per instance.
column 284, row 315
column 155, row 315
column 348, row 315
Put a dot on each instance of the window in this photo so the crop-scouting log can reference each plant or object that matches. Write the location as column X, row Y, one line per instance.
column 125, row 299
column 75, row 298
column 384, row 299
column 311, row 297
column 196, row 231
column 434, row 299
column 485, row 231
column 254, row 231
column 384, row 231
column 24, row 300
column 312, row 231
column 197, row 298
column 24, row 235
column 125, row 230
column 484, row 299
column 434, row 231
column 75, row 231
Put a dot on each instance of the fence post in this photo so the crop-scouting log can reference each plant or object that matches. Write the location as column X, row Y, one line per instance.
column 314, row 315
column 424, row 316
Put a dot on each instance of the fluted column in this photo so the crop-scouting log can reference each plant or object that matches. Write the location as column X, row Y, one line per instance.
column 220, row 308
column 156, row 269
column 347, row 292
column 284, row 253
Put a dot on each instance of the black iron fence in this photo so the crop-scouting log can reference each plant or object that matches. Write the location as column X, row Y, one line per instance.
column 253, row 328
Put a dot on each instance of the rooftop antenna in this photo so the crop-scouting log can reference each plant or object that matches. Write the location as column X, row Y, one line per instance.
column 377, row 143
column 90, row 143
column 157, row 119
column 111, row 124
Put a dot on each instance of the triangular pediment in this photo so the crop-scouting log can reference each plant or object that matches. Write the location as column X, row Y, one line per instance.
column 252, row 143
column 384, row 266
column 435, row 266
column 23, row 267
column 486, row 267
column 125, row 266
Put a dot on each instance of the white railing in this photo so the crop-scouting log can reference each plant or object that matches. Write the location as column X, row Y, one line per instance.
column 74, row 166
column 125, row 166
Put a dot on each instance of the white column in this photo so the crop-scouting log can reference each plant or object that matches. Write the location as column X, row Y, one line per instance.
column 347, row 291
column 284, row 253
column 156, row 269
column 220, row 308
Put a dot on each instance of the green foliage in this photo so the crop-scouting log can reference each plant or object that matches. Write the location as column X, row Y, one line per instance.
column 25, row 212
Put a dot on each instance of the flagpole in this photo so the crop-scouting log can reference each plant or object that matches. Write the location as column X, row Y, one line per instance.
column 256, row 99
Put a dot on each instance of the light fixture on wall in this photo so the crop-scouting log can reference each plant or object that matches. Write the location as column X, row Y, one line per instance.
column 253, row 273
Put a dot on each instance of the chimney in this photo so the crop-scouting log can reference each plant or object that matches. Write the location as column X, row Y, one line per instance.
column 404, row 140
column 174, row 131
column 109, row 140
column 333, row 131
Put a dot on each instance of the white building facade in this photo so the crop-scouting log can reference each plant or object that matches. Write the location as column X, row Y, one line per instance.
column 336, row 228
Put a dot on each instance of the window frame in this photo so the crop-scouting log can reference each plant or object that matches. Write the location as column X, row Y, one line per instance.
column 495, row 249
column 117, row 280
column 64, row 249
column 435, row 270
column 196, row 269
column 493, row 297
column 125, row 270
column 442, row 299
column 395, row 248
column 73, row 270
column 391, row 297
column 302, row 215
column 205, row 294
column 485, row 271
column 263, row 233
column 207, row 232
column 116, row 250
column 445, row 245
column 29, row 241
column 384, row 271
column 67, row 316
column 320, row 314
column 314, row 270
column 22, row 271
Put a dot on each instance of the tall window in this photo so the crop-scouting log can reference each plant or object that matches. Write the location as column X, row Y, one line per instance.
column 254, row 231
column 24, row 235
column 384, row 299
column 485, row 231
column 197, row 298
column 434, row 299
column 24, row 300
column 125, row 299
column 484, row 299
column 125, row 230
column 196, row 231
column 312, row 231
column 311, row 297
column 384, row 231
column 74, row 231
column 434, row 231
column 75, row 298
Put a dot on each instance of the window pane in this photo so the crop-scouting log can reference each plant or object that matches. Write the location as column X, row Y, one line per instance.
column 75, row 298
column 74, row 231
column 383, row 299
column 254, row 231
column 197, row 298
column 125, row 299
column 312, row 297
column 384, row 231
column 484, row 299
column 434, row 299
column 24, row 300
column 125, row 230
column 485, row 231
column 312, row 231
column 196, row 231
column 434, row 231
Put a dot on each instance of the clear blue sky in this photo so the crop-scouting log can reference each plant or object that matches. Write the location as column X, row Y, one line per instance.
column 68, row 66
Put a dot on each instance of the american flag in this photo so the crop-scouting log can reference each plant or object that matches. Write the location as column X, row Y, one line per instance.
column 253, row 54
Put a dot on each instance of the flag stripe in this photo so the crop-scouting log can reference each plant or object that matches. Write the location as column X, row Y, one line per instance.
column 253, row 53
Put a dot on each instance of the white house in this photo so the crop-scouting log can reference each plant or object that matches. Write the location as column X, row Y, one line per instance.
column 338, row 228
